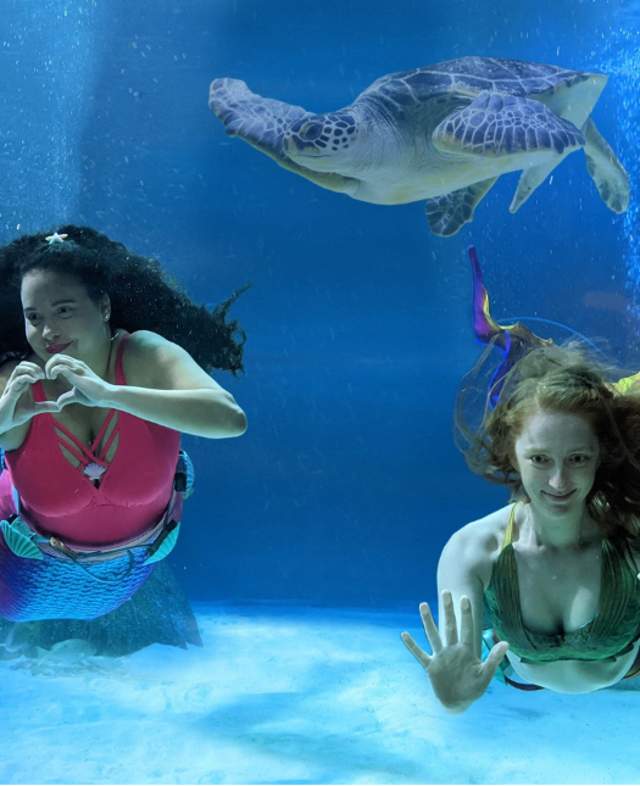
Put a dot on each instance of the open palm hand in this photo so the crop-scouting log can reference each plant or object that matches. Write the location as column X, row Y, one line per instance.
column 457, row 674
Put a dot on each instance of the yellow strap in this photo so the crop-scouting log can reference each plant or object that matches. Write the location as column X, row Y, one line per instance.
column 622, row 386
column 508, row 533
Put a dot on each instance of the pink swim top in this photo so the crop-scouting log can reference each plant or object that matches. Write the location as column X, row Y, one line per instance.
column 69, row 502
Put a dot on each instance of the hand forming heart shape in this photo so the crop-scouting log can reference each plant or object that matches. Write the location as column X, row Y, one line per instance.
column 86, row 388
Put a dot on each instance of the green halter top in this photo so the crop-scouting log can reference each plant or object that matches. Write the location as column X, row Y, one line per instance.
column 612, row 632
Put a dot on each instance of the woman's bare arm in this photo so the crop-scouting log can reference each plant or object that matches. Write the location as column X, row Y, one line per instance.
column 462, row 568
column 455, row 668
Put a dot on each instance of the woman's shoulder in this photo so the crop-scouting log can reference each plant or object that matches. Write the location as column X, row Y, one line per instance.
column 471, row 551
column 480, row 540
column 145, row 340
column 141, row 355
column 150, row 346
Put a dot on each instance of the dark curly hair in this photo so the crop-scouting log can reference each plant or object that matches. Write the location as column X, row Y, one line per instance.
column 557, row 379
column 143, row 296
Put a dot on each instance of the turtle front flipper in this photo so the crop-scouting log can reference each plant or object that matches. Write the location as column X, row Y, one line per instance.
column 259, row 121
column 606, row 171
column 262, row 122
column 446, row 214
column 499, row 125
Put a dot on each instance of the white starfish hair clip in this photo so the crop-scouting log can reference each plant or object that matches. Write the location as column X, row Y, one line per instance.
column 56, row 238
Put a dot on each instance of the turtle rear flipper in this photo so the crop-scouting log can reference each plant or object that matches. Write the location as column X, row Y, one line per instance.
column 530, row 179
column 606, row 171
column 262, row 123
column 448, row 213
column 499, row 125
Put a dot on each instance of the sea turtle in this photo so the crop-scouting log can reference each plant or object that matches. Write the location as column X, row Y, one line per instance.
column 443, row 133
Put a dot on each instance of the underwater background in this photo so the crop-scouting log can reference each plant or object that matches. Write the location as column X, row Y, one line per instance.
column 310, row 540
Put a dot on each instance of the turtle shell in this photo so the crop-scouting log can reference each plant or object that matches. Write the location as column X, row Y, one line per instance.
column 470, row 76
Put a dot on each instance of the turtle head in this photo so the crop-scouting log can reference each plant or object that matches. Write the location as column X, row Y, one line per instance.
column 323, row 143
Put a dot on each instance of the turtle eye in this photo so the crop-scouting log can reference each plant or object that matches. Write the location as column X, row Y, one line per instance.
column 310, row 131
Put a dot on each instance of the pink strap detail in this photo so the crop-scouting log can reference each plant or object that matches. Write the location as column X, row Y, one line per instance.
column 103, row 428
column 110, row 438
column 73, row 444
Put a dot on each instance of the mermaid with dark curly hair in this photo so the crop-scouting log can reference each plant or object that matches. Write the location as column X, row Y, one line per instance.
column 543, row 593
column 104, row 362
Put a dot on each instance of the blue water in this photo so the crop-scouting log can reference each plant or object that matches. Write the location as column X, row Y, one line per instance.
column 347, row 484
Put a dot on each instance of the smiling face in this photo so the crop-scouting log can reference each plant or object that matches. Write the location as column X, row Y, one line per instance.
column 61, row 317
column 557, row 455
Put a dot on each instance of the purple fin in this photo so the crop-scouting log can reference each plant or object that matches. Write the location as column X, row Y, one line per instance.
column 513, row 340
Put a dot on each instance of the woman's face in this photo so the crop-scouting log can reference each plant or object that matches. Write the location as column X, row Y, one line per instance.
column 60, row 316
column 557, row 455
